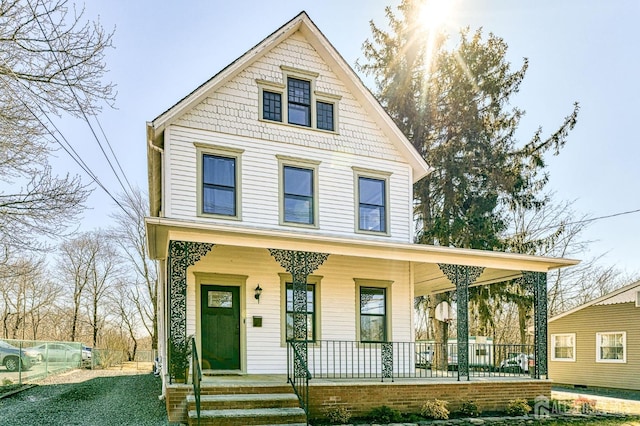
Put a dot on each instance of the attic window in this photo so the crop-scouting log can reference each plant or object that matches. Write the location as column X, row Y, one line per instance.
column 298, row 102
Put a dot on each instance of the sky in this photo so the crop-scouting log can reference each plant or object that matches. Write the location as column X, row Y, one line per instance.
column 578, row 50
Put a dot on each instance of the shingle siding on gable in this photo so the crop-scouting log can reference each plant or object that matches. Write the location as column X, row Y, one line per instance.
column 233, row 109
column 230, row 118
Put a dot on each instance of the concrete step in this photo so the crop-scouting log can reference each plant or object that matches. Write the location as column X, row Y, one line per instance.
column 251, row 400
column 255, row 416
column 226, row 389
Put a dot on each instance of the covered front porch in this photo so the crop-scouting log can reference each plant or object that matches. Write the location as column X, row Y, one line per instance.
column 276, row 334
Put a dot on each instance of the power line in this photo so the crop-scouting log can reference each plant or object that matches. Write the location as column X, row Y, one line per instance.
column 80, row 107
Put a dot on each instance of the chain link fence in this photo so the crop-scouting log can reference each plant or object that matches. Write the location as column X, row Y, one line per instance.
column 23, row 361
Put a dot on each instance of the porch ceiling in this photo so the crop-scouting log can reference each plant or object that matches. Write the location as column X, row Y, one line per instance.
column 424, row 258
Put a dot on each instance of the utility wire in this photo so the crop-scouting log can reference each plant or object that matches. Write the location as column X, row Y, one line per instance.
column 84, row 115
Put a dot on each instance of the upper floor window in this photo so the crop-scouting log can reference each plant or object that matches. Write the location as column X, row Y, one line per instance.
column 299, row 101
column 611, row 347
column 298, row 191
column 372, row 204
column 218, row 174
column 298, row 195
column 296, row 101
column 272, row 106
column 219, row 185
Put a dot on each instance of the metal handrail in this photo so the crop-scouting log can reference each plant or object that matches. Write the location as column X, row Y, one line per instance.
column 298, row 375
column 196, row 375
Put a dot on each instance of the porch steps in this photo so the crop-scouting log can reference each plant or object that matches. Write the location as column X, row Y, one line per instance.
column 263, row 405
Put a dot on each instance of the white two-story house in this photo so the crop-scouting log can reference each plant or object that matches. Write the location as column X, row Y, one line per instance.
column 281, row 211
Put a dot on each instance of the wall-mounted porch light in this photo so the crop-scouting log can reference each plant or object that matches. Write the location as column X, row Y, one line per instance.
column 258, row 291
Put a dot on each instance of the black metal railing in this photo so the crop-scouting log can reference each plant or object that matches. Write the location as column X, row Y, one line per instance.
column 336, row 359
column 298, row 373
column 196, row 376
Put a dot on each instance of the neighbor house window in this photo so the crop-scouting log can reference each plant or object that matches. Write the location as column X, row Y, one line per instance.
column 310, row 312
column 295, row 100
column 373, row 314
column 299, row 101
column 218, row 185
column 372, row 205
column 563, row 347
column 271, row 106
column 611, row 347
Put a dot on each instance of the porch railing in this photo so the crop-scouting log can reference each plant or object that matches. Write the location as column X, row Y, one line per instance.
column 336, row 359
column 196, row 376
column 298, row 373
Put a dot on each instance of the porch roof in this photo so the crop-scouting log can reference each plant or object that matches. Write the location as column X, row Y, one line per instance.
column 424, row 259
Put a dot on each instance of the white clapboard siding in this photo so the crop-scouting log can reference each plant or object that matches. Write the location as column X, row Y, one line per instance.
column 336, row 309
column 229, row 117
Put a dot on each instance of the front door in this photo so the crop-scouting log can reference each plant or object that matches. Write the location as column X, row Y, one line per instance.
column 220, row 323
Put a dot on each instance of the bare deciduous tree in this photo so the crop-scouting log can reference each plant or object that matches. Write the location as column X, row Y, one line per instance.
column 51, row 61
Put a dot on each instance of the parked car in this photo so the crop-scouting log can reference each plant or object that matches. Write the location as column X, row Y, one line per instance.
column 14, row 358
column 424, row 359
column 86, row 353
column 61, row 352
column 519, row 362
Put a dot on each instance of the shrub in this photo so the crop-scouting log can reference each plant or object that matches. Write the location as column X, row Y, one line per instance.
column 518, row 407
column 385, row 414
column 337, row 414
column 436, row 409
column 470, row 409
column 6, row 382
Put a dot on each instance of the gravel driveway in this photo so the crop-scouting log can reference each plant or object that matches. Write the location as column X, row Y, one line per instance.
column 88, row 397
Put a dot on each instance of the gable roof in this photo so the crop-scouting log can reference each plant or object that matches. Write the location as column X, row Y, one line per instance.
column 334, row 60
column 626, row 294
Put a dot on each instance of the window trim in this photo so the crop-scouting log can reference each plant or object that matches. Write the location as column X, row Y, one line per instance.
column 624, row 348
column 315, row 280
column 203, row 149
column 553, row 347
column 359, row 172
column 315, row 97
column 299, row 163
column 370, row 283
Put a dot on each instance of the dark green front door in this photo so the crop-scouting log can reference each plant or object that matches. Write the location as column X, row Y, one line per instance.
column 220, row 327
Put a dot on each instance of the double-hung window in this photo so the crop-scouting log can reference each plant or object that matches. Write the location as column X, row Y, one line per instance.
column 309, row 314
column 611, row 347
column 296, row 100
column 218, row 185
column 372, row 204
column 563, row 347
column 373, row 314
column 299, row 101
column 298, row 191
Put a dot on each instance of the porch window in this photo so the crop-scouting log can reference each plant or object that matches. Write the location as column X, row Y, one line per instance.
column 298, row 195
column 563, row 347
column 372, row 204
column 611, row 347
column 311, row 317
column 218, row 185
column 373, row 314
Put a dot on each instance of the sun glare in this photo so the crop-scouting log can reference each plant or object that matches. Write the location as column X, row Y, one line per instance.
column 435, row 13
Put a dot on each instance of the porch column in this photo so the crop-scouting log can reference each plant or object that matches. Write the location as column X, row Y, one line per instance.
column 182, row 254
column 537, row 283
column 462, row 277
column 300, row 264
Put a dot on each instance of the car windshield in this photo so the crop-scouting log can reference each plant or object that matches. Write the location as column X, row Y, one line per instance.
column 4, row 344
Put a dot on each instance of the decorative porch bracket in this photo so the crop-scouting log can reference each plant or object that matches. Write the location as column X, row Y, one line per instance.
column 182, row 254
column 300, row 264
column 462, row 277
column 536, row 282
